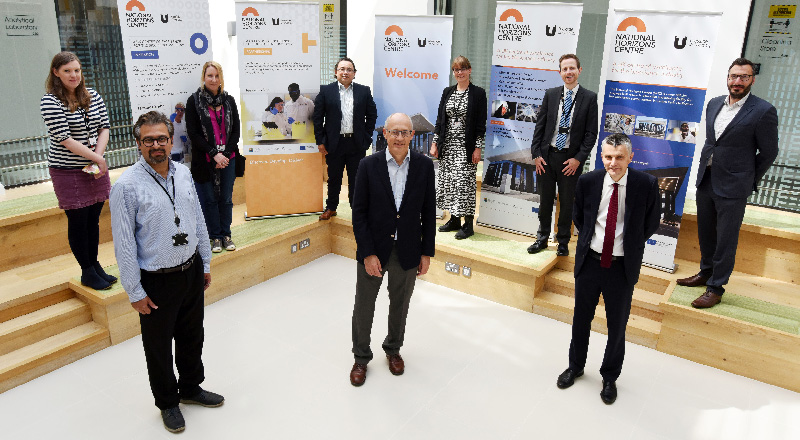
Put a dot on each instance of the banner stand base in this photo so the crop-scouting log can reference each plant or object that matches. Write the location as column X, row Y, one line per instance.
column 513, row 231
column 662, row 268
column 260, row 217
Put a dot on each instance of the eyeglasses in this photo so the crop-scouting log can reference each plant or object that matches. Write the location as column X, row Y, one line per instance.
column 345, row 70
column 149, row 142
column 180, row 109
column 734, row 77
column 399, row 133
column 459, row 70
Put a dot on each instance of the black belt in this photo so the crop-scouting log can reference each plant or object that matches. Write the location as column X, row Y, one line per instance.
column 346, row 135
column 599, row 257
column 179, row 268
column 554, row 149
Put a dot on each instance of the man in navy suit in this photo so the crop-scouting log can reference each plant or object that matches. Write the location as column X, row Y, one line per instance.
column 565, row 133
column 741, row 144
column 394, row 221
column 344, row 118
column 616, row 210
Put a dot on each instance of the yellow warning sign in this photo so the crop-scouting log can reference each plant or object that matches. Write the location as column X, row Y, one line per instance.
column 782, row 11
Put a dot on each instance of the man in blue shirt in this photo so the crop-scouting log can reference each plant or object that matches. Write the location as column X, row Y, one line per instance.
column 164, row 257
column 394, row 222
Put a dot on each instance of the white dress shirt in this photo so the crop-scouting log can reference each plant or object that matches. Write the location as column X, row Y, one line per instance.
column 602, row 214
column 346, row 97
column 725, row 116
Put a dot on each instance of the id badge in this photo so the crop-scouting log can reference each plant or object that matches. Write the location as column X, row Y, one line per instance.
column 92, row 141
column 220, row 148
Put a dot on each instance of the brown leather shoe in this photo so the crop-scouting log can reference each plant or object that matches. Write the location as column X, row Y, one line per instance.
column 358, row 375
column 693, row 281
column 708, row 299
column 396, row 364
column 327, row 214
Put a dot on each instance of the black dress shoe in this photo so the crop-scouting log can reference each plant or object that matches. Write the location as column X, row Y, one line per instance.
column 454, row 224
column 563, row 250
column 609, row 392
column 567, row 378
column 173, row 419
column 693, row 281
column 205, row 398
column 537, row 247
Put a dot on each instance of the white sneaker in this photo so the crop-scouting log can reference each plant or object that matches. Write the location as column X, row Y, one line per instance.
column 228, row 243
column 216, row 245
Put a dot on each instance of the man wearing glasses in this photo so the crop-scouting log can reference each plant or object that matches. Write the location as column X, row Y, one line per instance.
column 164, row 257
column 741, row 144
column 394, row 221
column 344, row 118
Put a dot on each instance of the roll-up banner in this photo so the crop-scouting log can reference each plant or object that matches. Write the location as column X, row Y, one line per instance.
column 528, row 40
column 658, row 70
column 278, row 51
column 412, row 67
column 165, row 48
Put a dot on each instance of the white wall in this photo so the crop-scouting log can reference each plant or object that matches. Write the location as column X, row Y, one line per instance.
column 728, row 48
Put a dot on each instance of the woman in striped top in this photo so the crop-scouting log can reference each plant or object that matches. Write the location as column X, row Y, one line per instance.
column 77, row 122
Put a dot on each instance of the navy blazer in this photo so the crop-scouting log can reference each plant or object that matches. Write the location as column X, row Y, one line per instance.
column 583, row 125
column 328, row 116
column 375, row 218
column 642, row 216
column 475, row 124
column 744, row 151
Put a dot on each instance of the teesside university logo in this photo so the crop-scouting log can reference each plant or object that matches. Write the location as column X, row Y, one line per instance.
column 512, row 31
column 252, row 20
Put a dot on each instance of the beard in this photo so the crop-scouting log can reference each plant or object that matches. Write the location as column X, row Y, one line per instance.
column 156, row 160
column 740, row 95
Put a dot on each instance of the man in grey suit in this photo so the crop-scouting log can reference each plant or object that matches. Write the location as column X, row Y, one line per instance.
column 565, row 133
column 741, row 144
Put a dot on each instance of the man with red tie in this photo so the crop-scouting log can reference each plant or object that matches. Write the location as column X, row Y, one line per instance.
column 616, row 210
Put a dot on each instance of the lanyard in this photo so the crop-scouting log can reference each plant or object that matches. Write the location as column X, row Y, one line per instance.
column 171, row 199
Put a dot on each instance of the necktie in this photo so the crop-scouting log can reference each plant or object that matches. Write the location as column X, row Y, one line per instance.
column 611, row 228
column 566, row 109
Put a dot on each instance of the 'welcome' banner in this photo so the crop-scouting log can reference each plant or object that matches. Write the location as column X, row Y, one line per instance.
column 278, row 51
column 655, row 89
column 529, row 38
column 165, row 48
column 412, row 67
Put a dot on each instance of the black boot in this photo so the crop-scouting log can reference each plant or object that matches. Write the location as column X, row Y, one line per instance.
column 99, row 269
column 466, row 230
column 454, row 224
column 90, row 278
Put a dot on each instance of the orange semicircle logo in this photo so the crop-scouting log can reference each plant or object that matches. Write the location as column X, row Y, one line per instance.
column 394, row 29
column 134, row 3
column 632, row 21
column 249, row 11
column 511, row 13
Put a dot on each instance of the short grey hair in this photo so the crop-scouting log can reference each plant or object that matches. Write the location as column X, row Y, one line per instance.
column 385, row 124
column 617, row 139
column 152, row 118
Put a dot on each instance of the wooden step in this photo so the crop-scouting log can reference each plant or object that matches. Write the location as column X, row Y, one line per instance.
column 641, row 330
column 32, row 302
column 42, row 357
column 563, row 283
column 44, row 323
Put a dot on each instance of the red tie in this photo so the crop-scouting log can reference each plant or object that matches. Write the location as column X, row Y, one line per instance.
column 611, row 228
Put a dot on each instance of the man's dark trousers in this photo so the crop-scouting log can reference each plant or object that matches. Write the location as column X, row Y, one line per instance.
column 348, row 155
column 179, row 297
column 547, row 183
column 400, row 287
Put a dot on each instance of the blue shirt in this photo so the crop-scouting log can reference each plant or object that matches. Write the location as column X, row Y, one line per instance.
column 398, row 175
column 143, row 223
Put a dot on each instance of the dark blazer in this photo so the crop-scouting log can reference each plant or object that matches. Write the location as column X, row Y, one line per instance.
column 642, row 216
column 375, row 218
column 476, row 118
column 744, row 151
column 583, row 127
column 328, row 116
column 202, row 145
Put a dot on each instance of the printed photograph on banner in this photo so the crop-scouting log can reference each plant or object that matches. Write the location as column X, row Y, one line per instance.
column 515, row 179
column 681, row 131
column 650, row 127
column 619, row 123
column 276, row 117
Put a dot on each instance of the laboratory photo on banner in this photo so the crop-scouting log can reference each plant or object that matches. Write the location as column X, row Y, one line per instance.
column 681, row 131
column 278, row 117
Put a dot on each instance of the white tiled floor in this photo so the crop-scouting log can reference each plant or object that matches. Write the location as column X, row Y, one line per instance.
column 280, row 353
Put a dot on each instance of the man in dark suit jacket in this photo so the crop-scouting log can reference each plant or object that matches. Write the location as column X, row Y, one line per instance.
column 741, row 144
column 344, row 118
column 566, row 130
column 394, row 221
column 609, row 255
